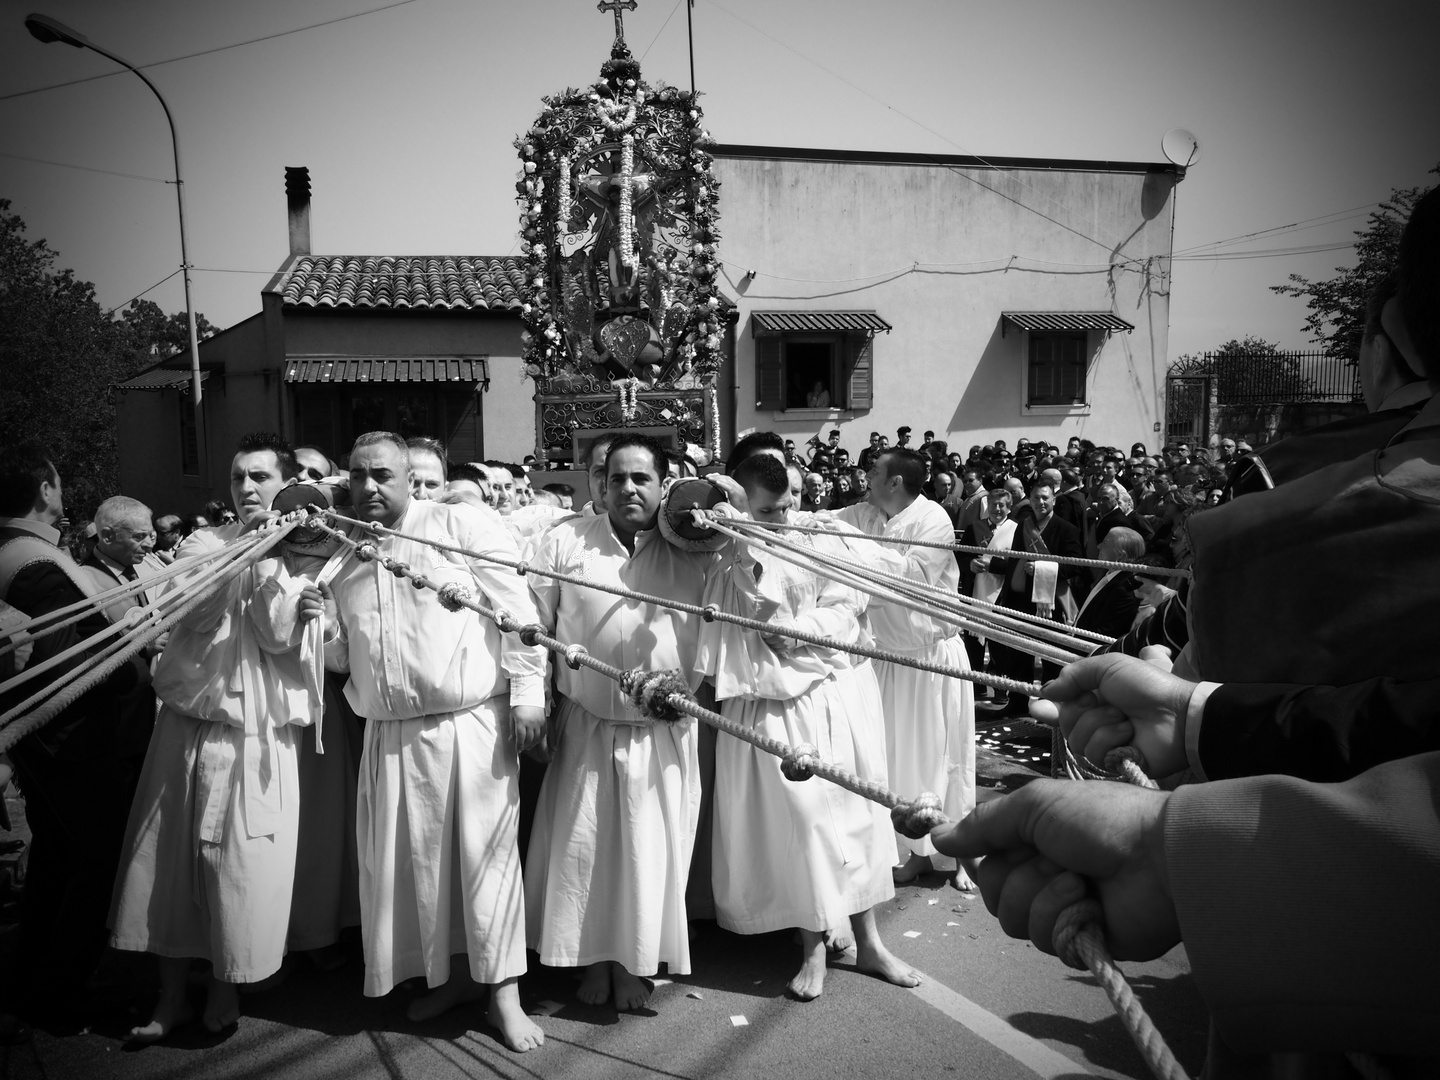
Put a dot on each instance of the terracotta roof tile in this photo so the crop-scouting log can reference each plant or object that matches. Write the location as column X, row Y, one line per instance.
column 426, row 282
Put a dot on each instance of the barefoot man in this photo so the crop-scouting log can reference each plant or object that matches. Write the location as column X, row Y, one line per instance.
column 449, row 703
column 804, row 854
column 615, row 827
column 209, row 856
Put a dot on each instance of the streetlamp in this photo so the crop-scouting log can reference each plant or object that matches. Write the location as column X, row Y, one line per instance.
column 47, row 30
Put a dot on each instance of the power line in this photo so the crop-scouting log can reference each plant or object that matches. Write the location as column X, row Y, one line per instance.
column 208, row 52
column 86, row 168
column 152, row 288
column 1266, row 253
column 923, row 126
column 661, row 30
column 1306, row 223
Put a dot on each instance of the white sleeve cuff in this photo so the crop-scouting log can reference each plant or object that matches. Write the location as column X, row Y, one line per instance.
column 1194, row 713
column 527, row 690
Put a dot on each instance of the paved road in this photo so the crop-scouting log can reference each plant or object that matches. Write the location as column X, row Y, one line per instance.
column 990, row 1007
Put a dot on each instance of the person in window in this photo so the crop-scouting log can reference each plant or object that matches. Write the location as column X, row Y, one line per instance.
column 819, row 397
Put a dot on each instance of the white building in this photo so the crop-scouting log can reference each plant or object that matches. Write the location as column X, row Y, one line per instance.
column 979, row 298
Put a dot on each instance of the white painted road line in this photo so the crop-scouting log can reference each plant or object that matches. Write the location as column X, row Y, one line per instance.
column 1031, row 1053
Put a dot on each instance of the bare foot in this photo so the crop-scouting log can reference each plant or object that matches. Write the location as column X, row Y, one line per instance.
column 457, row 990
column 222, row 1005
column 810, row 980
column 839, row 939
column 873, row 958
column 910, row 869
column 504, row 1012
column 169, row 1014
column 631, row 991
column 962, row 881
column 595, row 986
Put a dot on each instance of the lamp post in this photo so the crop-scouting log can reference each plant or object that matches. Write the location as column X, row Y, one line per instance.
column 47, row 30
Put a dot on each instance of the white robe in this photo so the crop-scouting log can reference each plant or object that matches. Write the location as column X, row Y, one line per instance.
column 208, row 863
column 619, row 806
column 808, row 853
column 929, row 718
column 438, row 800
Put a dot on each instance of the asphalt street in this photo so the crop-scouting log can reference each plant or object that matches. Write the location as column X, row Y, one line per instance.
column 989, row 1006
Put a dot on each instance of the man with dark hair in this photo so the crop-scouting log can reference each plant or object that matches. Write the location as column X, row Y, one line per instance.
column 314, row 463
column 449, row 703
column 209, row 855
column 595, row 471
column 618, row 784
column 868, row 455
column 75, row 793
column 929, row 718
column 427, row 467
column 754, row 443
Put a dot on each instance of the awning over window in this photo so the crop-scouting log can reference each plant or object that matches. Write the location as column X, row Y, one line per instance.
column 817, row 322
column 161, row 379
column 386, row 369
column 1067, row 320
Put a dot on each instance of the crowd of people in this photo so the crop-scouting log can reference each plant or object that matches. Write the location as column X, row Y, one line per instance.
column 318, row 743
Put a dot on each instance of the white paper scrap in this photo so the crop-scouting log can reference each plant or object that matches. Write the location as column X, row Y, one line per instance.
column 932, row 903
column 912, row 933
column 739, row 1021
column 696, row 995
column 952, row 924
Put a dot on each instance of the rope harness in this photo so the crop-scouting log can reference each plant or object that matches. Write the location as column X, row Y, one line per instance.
column 659, row 695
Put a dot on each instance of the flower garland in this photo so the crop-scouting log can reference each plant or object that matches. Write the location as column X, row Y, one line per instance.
column 575, row 126
column 629, row 394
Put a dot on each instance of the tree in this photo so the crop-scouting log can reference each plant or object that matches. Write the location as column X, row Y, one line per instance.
column 60, row 354
column 1249, row 369
column 1336, row 318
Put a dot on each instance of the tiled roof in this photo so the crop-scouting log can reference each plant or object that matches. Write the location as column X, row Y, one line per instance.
column 398, row 282
column 160, row 378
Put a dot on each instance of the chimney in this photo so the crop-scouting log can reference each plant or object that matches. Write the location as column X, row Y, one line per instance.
column 297, row 202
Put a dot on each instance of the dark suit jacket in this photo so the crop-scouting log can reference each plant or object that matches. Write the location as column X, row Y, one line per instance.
column 135, row 720
column 1061, row 538
column 84, row 730
column 1071, row 507
column 1111, row 610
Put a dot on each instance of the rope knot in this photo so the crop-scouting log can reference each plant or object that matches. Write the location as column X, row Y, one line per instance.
column 916, row 818
column 504, row 620
column 366, row 552
column 573, row 653
column 399, row 569
column 799, row 764
column 1084, row 917
column 1130, row 764
column 711, row 610
column 530, row 633
column 420, row 581
column 453, row 595
column 649, row 692
column 522, row 568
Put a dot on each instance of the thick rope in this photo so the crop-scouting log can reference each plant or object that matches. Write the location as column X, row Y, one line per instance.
column 83, row 609
column 665, row 694
column 1080, row 943
column 857, row 580
column 710, row 613
column 17, row 723
column 1007, row 553
column 1004, row 618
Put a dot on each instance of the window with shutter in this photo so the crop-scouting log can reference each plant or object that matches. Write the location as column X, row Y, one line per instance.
column 862, row 371
column 1057, row 365
column 769, row 374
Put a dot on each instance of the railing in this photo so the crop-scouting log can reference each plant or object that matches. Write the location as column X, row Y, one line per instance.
column 1260, row 378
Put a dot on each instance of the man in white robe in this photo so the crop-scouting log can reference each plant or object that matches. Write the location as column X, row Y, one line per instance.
column 615, row 828
column 929, row 718
column 806, row 854
column 449, row 701
column 209, row 857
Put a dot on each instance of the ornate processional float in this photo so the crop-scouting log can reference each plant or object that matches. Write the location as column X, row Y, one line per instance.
column 624, row 323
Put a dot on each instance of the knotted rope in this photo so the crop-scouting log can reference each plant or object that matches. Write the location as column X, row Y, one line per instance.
column 665, row 696
column 710, row 613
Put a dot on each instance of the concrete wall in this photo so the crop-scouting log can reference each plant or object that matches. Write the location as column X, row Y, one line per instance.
column 926, row 246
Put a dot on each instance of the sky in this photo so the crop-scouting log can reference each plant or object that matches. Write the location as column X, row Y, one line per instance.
column 1307, row 114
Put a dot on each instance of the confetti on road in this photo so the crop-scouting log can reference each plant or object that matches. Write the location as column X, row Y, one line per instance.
column 659, row 982
column 932, row 903
column 912, row 933
column 952, row 924
column 548, row 1008
column 696, row 995
column 739, row 1021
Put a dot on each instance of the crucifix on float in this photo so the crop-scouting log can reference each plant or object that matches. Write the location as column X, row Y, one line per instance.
column 617, row 6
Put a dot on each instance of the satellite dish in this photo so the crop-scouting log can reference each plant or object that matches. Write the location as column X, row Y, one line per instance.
column 1181, row 147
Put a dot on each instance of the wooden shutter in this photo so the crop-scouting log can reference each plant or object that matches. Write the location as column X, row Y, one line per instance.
column 463, row 437
column 862, row 373
column 769, row 378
